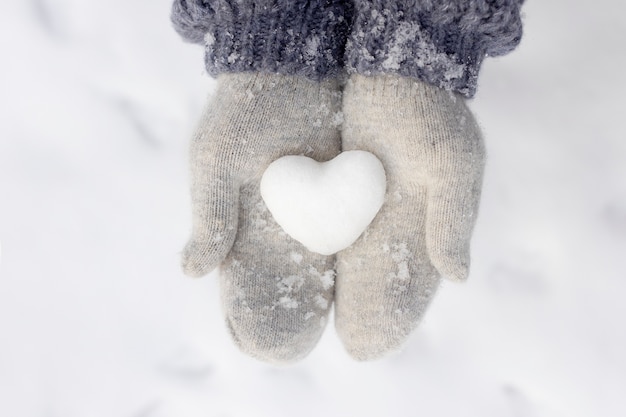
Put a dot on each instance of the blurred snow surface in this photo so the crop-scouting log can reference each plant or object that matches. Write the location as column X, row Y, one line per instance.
column 97, row 102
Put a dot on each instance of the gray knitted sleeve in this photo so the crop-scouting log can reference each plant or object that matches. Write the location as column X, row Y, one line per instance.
column 293, row 37
column 440, row 42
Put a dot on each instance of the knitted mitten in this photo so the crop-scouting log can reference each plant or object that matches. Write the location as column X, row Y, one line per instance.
column 276, row 295
column 433, row 155
column 275, row 62
column 415, row 53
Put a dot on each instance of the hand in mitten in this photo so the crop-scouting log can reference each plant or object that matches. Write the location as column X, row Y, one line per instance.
column 433, row 154
column 276, row 295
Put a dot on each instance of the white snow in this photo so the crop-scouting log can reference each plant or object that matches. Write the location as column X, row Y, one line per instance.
column 328, row 279
column 325, row 205
column 400, row 254
column 290, row 284
column 98, row 100
column 287, row 302
column 296, row 257
column 321, row 302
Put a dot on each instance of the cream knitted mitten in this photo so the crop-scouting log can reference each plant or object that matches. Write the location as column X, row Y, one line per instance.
column 433, row 155
column 275, row 294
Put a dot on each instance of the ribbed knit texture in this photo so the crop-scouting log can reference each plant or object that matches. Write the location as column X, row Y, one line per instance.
column 440, row 42
column 292, row 37
column 433, row 155
column 276, row 295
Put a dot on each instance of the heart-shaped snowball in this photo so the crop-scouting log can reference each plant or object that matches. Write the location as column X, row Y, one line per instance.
column 325, row 205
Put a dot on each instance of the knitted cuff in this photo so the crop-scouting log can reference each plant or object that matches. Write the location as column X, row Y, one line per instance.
column 291, row 37
column 439, row 42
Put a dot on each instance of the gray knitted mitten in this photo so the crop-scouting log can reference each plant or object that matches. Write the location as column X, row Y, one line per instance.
column 433, row 155
column 276, row 295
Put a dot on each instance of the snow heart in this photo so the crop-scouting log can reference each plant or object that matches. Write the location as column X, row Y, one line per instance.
column 325, row 205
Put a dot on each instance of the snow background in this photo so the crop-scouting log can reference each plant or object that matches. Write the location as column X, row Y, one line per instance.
column 98, row 100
